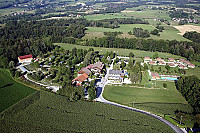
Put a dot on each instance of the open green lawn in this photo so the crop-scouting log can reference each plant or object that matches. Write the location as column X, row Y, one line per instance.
column 160, row 101
column 11, row 91
column 46, row 112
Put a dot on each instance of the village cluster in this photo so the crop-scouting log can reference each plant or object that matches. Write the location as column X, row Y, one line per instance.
column 171, row 62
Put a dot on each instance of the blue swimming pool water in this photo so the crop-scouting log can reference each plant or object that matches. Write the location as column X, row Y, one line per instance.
column 168, row 78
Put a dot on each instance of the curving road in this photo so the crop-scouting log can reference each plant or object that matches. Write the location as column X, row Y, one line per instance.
column 101, row 99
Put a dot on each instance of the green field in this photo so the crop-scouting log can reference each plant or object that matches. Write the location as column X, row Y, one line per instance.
column 157, row 100
column 11, row 91
column 170, row 33
column 46, row 112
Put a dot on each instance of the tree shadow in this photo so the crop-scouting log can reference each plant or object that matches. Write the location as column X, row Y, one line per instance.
column 7, row 85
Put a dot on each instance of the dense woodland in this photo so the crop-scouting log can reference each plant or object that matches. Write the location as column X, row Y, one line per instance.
column 194, row 36
column 189, row 50
column 190, row 89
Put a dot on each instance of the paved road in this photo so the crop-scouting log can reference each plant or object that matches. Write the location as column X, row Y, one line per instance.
column 101, row 99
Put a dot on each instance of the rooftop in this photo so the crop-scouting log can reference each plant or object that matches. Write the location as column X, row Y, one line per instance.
column 116, row 72
column 26, row 56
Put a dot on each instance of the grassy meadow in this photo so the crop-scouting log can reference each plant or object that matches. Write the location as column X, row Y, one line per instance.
column 53, row 113
column 11, row 91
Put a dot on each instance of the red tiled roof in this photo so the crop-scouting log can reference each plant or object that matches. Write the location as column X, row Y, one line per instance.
column 26, row 56
column 82, row 77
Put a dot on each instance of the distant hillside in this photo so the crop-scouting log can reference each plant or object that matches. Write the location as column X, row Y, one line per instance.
column 9, row 3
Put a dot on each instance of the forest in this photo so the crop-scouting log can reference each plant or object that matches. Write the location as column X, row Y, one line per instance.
column 193, row 36
column 190, row 89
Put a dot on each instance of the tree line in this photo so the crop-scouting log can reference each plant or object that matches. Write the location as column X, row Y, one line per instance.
column 189, row 50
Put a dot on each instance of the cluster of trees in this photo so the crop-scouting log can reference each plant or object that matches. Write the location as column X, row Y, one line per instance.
column 189, row 50
column 112, row 33
column 139, row 32
column 190, row 89
column 193, row 35
column 178, row 14
column 160, row 28
column 114, row 23
column 136, row 74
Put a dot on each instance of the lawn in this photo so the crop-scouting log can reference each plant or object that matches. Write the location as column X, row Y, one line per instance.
column 11, row 91
column 46, row 112
column 157, row 100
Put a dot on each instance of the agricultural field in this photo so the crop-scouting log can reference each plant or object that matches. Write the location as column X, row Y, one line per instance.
column 157, row 99
column 46, row 112
column 11, row 91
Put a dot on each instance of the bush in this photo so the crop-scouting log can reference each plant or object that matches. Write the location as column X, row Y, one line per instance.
column 164, row 85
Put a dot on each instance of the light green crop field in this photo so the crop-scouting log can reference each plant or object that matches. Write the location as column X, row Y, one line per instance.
column 119, row 51
column 11, row 91
column 53, row 113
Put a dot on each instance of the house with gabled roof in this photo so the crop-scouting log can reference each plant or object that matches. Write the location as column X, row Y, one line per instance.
column 171, row 59
column 25, row 58
column 79, row 80
column 147, row 59
column 84, row 70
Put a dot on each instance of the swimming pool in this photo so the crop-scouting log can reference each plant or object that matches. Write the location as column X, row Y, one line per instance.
column 168, row 78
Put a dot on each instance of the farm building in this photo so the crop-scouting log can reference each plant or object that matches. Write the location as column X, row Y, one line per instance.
column 25, row 58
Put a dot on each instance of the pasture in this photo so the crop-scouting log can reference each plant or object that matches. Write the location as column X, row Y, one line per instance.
column 11, row 91
column 46, row 112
